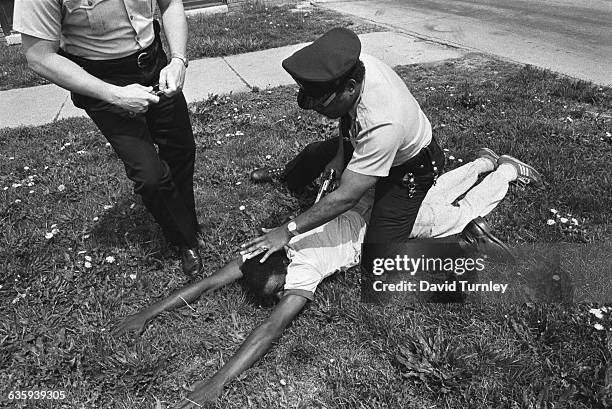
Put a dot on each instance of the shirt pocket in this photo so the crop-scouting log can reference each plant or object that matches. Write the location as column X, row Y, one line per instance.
column 99, row 13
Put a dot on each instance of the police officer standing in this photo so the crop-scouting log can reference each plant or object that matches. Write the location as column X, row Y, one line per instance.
column 108, row 53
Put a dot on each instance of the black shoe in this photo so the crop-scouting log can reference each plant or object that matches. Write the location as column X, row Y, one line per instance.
column 268, row 174
column 190, row 261
column 477, row 238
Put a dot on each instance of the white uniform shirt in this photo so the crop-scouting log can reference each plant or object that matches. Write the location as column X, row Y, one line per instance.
column 392, row 128
column 92, row 29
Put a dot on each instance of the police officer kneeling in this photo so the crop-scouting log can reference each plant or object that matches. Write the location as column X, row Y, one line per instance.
column 384, row 142
column 109, row 55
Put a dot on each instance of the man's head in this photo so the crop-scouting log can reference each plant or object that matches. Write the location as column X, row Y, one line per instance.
column 329, row 73
column 263, row 281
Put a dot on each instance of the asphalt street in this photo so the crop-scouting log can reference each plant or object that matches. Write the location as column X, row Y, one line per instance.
column 571, row 37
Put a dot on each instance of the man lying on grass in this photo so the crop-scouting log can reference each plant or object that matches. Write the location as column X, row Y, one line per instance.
column 294, row 276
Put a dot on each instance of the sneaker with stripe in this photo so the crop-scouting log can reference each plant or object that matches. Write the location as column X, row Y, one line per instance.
column 527, row 175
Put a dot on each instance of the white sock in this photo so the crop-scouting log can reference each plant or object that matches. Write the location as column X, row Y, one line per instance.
column 508, row 170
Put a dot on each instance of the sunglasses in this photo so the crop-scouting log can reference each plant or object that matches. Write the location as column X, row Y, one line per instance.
column 323, row 104
column 328, row 101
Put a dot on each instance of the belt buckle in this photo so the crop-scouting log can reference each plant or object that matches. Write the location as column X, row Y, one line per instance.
column 140, row 61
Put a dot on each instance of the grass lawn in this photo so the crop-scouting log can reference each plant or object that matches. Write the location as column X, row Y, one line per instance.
column 61, row 295
column 255, row 28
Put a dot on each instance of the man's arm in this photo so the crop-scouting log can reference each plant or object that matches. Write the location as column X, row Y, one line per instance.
column 43, row 59
column 337, row 162
column 251, row 350
column 188, row 294
column 352, row 187
column 172, row 77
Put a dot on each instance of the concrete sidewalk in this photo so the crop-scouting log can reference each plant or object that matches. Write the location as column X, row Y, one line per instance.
column 239, row 73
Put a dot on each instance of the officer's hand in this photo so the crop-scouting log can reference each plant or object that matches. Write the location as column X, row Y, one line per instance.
column 272, row 241
column 172, row 77
column 337, row 163
column 134, row 98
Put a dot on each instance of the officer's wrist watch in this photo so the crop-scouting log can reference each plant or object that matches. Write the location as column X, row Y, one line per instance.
column 183, row 59
column 292, row 228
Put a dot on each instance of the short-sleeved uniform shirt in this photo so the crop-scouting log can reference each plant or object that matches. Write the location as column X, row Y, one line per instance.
column 319, row 253
column 92, row 29
column 392, row 128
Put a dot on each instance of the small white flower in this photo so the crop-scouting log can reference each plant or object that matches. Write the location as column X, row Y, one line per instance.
column 239, row 133
column 598, row 327
column 88, row 258
column 61, row 188
column 242, row 208
column 54, row 225
column 283, row 382
column 550, row 222
column 81, row 252
column 218, row 142
column 108, row 144
column 18, row 201
column 95, row 219
column 16, row 185
column 133, row 205
column 30, row 184
column 596, row 312
column 106, row 207
column 31, row 192
column 451, row 157
column 268, row 157
column 563, row 220
column 48, row 235
column 81, row 152
column 87, row 264
column 574, row 221
column 85, row 236
column 55, row 231
column 5, row 188
column 553, row 211
column 26, row 168
column 110, row 259
column 11, row 158
column 556, row 277
column 459, row 160
column 133, row 276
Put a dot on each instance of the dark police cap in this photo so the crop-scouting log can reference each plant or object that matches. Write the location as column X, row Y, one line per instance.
column 322, row 66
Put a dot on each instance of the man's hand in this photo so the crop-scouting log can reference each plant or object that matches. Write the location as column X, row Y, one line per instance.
column 133, row 98
column 337, row 163
column 203, row 392
column 274, row 240
column 172, row 77
column 134, row 323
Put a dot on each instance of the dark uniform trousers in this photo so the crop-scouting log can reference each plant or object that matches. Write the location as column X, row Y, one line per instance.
column 164, row 180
